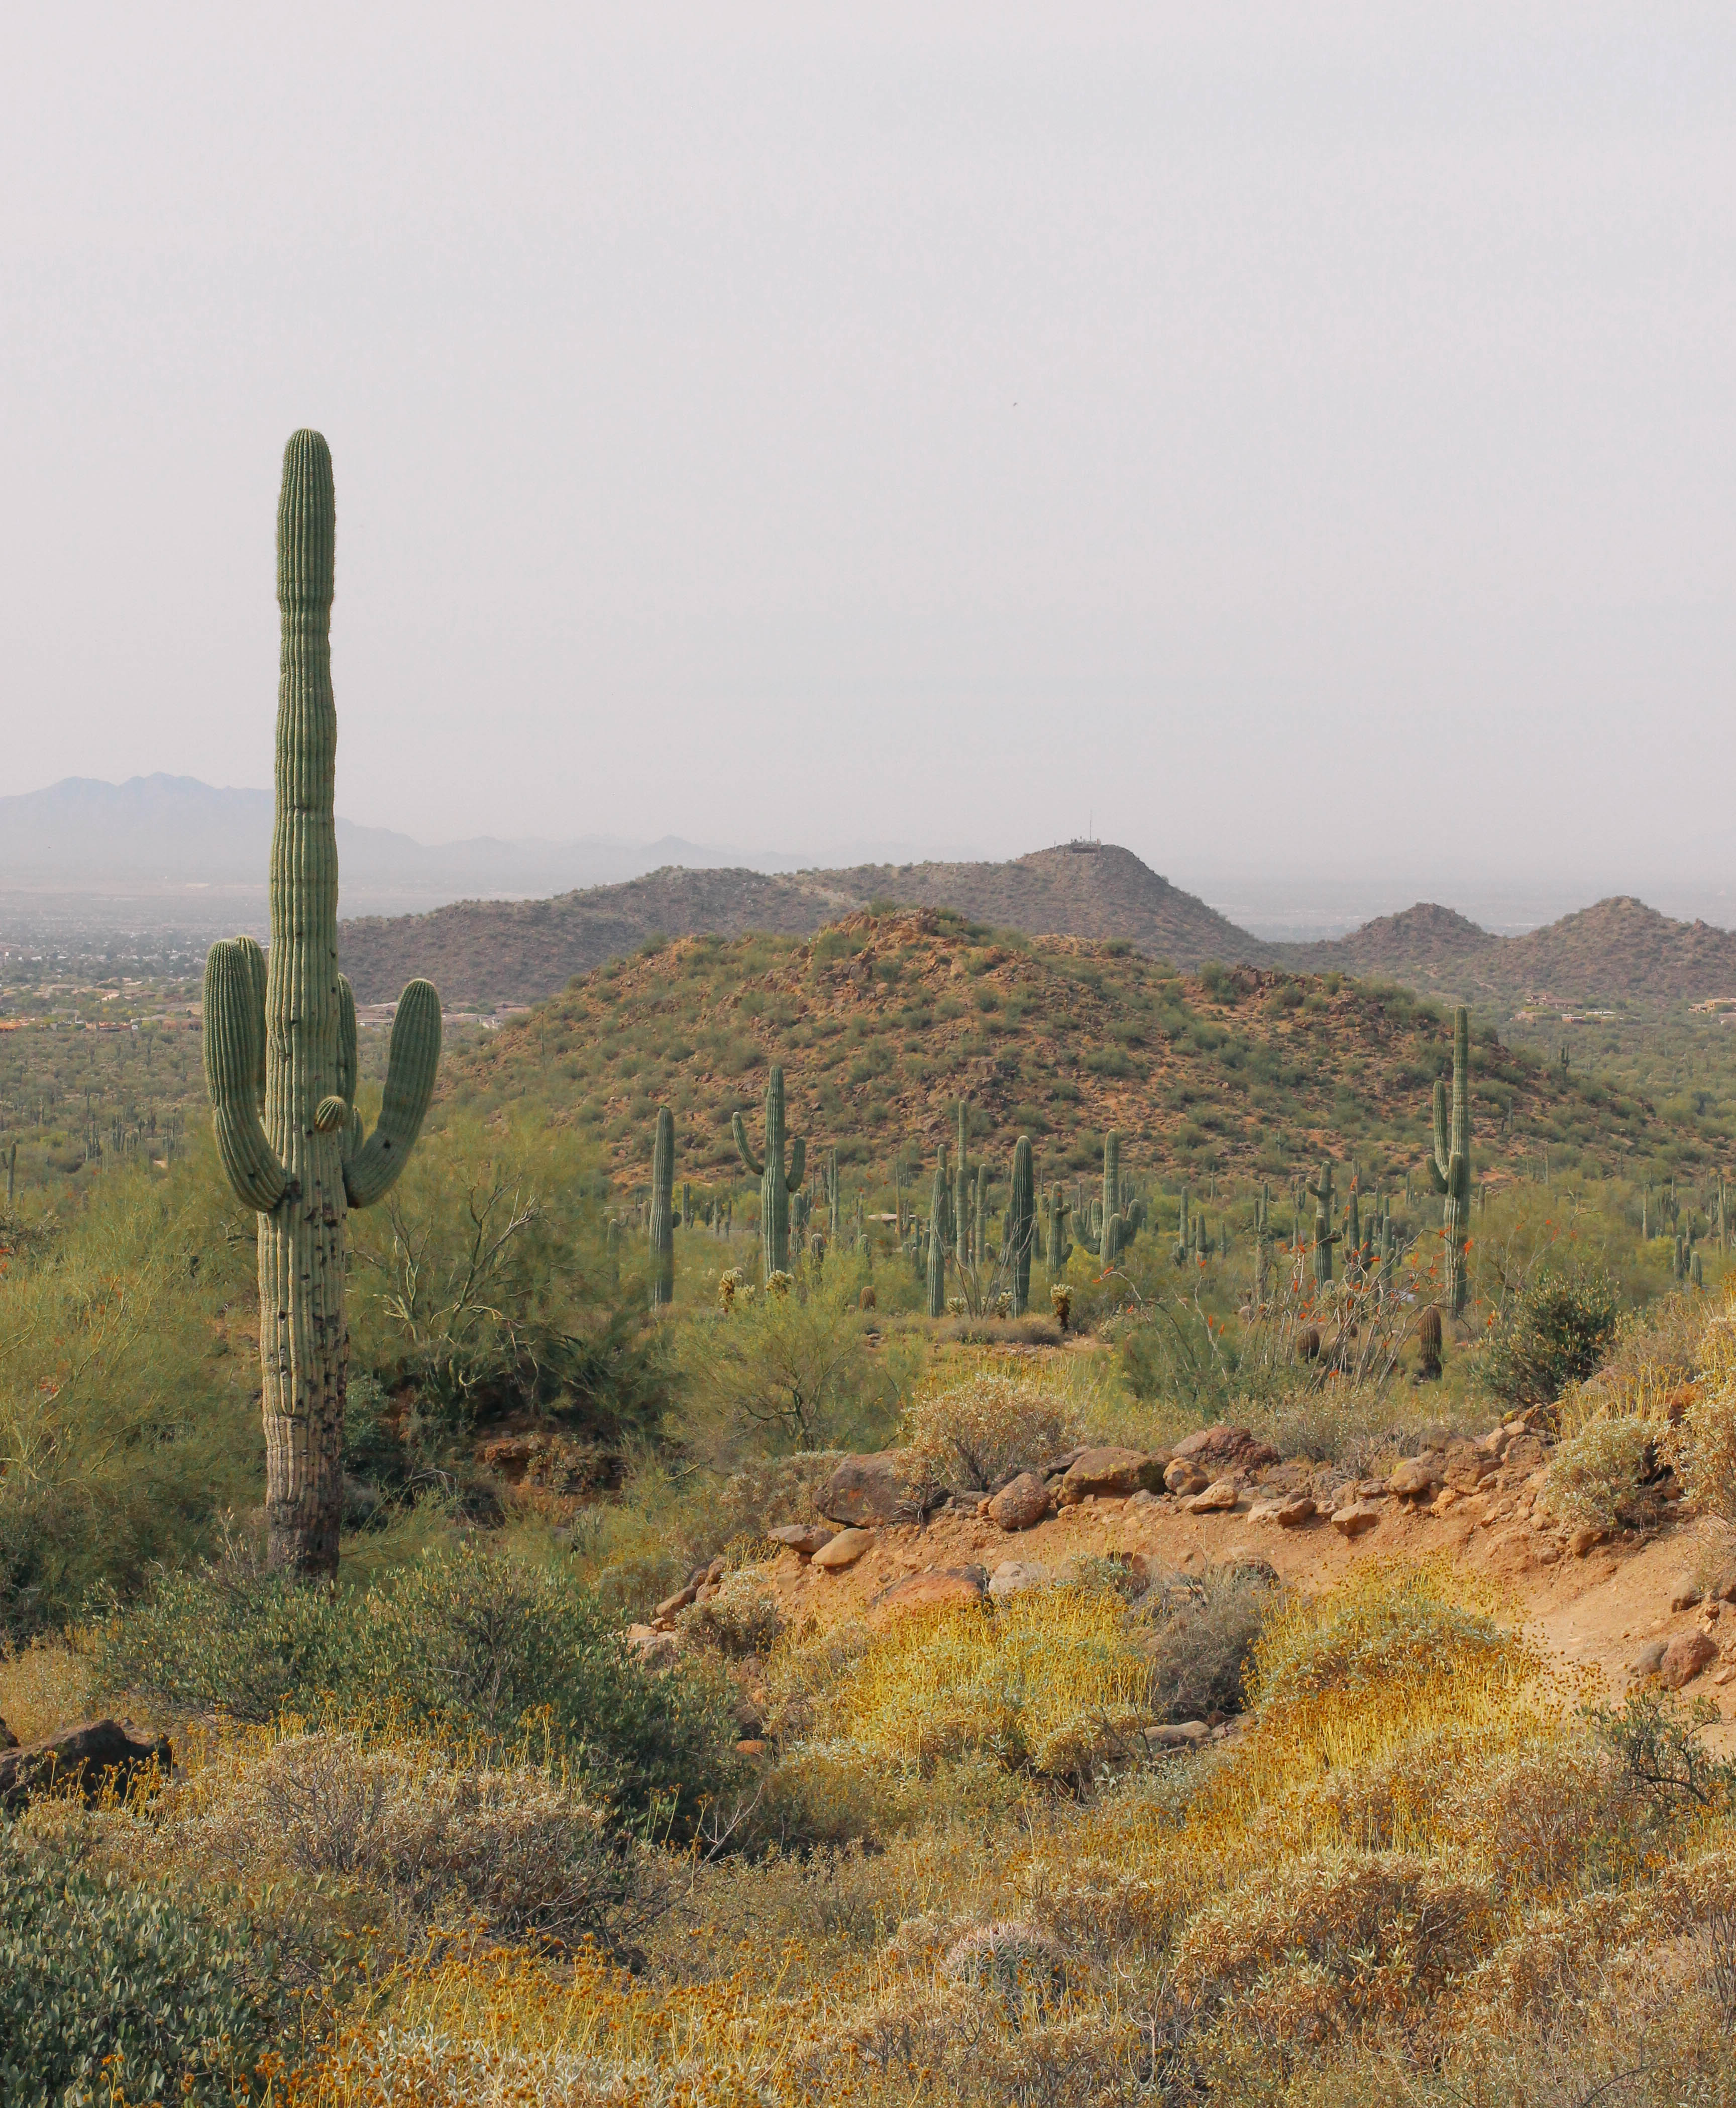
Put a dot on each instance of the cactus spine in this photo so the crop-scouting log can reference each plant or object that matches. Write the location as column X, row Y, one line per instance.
column 662, row 1210
column 776, row 1184
column 280, row 1059
column 1451, row 1164
column 939, row 1205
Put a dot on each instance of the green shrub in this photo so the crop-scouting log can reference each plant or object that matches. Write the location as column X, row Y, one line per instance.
column 1595, row 1476
column 975, row 1433
column 1555, row 1333
column 92, row 1971
column 478, row 1648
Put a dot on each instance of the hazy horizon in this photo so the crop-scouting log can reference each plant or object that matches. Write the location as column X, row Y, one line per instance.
column 1298, row 447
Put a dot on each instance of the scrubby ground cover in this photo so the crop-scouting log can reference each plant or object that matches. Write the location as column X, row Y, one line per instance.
column 448, row 1834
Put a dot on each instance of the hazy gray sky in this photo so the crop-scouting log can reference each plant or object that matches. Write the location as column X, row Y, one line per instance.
column 1292, row 437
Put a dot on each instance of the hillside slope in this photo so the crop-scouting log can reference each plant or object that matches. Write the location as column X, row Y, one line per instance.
column 494, row 951
column 884, row 1022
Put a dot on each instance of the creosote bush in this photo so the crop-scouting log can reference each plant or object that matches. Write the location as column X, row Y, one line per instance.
column 1557, row 1331
column 974, row 1434
column 1595, row 1476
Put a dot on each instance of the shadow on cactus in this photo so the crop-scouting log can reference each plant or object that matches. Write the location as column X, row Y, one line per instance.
column 280, row 1055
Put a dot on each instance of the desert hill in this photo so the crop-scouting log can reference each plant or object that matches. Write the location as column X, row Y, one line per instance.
column 518, row 951
column 491, row 951
column 884, row 1020
column 1618, row 950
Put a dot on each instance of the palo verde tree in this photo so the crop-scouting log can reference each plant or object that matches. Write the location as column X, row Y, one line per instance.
column 280, row 1057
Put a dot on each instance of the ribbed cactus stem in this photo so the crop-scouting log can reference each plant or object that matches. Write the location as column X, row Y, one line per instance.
column 662, row 1230
column 939, row 1207
column 1059, row 1248
column 280, row 1052
column 1451, row 1164
column 1111, row 1176
column 961, row 1212
column 776, row 1184
column 1021, row 1224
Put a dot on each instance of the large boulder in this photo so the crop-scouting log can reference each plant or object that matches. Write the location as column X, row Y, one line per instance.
column 94, row 1756
column 1021, row 1504
column 1684, row 1659
column 1112, row 1474
column 1220, row 1449
column 866, row 1490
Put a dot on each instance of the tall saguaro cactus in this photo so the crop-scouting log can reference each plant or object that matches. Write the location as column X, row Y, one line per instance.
column 662, row 1210
column 1451, row 1164
column 1021, row 1224
column 1324, row 1236
column 940, row 1207
column 962, row 1208
column 776, row 1184
column 280, row 1057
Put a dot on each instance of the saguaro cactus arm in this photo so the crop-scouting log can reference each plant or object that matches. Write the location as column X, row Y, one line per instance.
column 1440, row 1162
column 798, row 1162
column 744, row 1148
column 410, row 1064
column 234, row 1070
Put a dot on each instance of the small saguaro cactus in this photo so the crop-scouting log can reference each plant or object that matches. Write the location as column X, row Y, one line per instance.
column 1451, row 1164
column 776, row 1184
column 1021, row 1224
column 1262, row 1235
column 662, row 1210
column 280, row 1060
column 940, row 1204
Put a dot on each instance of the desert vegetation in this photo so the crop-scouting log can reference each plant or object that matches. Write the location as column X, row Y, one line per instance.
column 1179, row 1552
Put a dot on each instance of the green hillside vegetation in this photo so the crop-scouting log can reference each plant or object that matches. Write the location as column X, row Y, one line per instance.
column 885, row 1020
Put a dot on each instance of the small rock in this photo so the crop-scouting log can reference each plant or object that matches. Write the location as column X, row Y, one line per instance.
column 1184, row 1477
column 1058, row 1466
column 844, row 1550
column 1684, row 1659
column 1650, row 1657
column 678, row 1602
column 1371, row 1490
column 1117, row 1472
column 1725, row 1675
column 1351, row 1521
column 1178, row 1735
column 1584, row 1539
column 1723, row 1590
column 1684, row 1598
column 1216, row 1499
column 1417, row 1478
column 1021, row 1504
column 1299, row 1509
column 1144, row 1498
column 751, row 1745
column 805, row 1537
column 1012, row 1577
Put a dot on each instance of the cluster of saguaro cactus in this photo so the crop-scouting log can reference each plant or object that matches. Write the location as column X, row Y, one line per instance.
column 776, row 1183
column 1451, row 1162
column 280, row 1059
column 662, row 1210
column 1021, row 1224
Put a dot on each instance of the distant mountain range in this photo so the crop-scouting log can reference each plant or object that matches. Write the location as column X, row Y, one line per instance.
column 155, row 832
column 493, row 951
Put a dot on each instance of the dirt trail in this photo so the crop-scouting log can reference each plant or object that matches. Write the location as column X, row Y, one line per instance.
column 1592, row 1613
